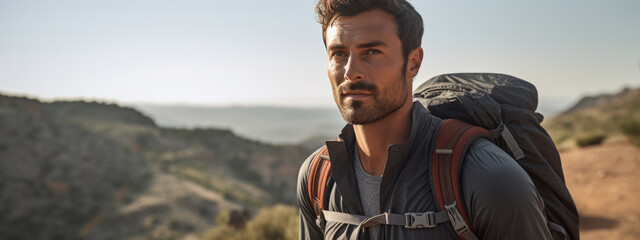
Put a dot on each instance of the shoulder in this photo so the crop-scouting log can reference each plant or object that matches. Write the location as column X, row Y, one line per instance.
column 498, row 192
column 304, row 168
column 489, row 171
column 484, row 157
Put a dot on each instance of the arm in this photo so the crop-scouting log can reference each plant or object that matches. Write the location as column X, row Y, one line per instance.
column 502, row 201
column 308, row 228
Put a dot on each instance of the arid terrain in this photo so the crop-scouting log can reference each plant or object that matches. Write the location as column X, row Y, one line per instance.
column 89, row 170
column 605, row 183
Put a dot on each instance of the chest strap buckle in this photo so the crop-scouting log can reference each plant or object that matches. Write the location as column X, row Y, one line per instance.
column 420, row 220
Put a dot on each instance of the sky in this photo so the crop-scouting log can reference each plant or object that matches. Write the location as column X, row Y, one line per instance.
column 256, row 52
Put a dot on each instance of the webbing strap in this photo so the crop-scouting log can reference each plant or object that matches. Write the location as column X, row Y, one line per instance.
column 408, row 220
column 556, row 227
column 458, row 223
column 454, row 136
column 511, row 142
column 340, row 217
column 468, row 235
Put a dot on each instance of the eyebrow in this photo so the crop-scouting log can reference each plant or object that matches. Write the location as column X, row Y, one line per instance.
column 372, row 44
column 363, row 45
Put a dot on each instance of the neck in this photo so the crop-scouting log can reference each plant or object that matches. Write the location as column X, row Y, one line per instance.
column 374, row 138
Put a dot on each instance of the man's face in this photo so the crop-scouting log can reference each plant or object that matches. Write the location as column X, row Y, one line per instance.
column 366, row 66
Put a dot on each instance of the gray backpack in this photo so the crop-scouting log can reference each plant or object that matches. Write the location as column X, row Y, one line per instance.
column 505, row 106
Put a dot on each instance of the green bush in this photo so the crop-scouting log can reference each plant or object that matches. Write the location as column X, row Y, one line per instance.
column 273, row 223
column 590, row 139
column 226, row 232
column 631, row 128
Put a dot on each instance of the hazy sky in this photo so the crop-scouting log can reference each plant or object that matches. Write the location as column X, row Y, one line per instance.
column 256, row 52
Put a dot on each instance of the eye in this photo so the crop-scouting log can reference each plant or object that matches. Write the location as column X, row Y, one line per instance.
column 372, row 51
column 338, row 54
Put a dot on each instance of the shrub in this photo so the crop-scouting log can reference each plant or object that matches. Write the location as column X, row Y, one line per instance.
column 590, row 139
column 273, row 223
column 631, row 128
column 226, row 232
column 279, row 222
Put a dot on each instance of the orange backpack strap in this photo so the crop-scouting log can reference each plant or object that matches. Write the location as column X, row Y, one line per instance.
column 318, row 178
column 452, row 141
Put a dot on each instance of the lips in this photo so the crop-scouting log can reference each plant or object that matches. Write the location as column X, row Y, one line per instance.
column 356, row 92
column 355, row 95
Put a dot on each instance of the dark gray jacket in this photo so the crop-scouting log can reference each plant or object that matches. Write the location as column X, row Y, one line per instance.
column 499, row 195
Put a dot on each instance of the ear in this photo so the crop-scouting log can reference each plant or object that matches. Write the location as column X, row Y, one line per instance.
column 414, row 62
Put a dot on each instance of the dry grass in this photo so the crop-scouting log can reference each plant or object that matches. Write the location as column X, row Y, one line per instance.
column 274, row 223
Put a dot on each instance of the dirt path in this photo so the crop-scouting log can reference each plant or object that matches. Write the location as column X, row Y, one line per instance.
column 605, row 184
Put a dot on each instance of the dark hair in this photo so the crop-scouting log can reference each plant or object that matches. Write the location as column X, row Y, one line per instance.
column 409, row 22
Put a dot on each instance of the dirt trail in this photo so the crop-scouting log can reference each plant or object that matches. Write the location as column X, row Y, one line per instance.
column 605, row 183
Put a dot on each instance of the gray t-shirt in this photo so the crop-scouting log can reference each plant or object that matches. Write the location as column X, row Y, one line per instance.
column 369, row 187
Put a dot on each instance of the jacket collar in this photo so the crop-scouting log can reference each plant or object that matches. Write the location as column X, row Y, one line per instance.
column 341, row 153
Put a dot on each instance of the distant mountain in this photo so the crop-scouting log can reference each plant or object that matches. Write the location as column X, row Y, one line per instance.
column 269, row 124
column 596, row 115
column 552, row 106
column 601, row 100
column 71, row 170
column 307, row 126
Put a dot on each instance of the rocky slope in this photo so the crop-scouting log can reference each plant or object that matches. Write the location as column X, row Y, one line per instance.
column 100, row 171
column 600, row 115
column 601, row 100
column 54, row 174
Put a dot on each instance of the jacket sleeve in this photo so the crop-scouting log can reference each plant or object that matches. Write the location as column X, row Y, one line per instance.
column 501, row 199
column 309, row 230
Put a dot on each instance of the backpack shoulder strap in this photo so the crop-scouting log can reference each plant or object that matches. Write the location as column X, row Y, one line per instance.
column 452, row 141
column 319, row 172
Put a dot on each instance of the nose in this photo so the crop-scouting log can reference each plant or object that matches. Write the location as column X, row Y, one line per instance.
column 353, row 70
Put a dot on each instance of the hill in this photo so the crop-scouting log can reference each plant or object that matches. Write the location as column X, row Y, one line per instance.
column 100, row 171
column 55, row 175
column 601, row 100
column 605, row 115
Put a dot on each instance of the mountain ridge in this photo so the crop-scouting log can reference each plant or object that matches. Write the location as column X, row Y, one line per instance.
column 77, row 165
column 600, row 100
column 602, row 115
column 278, row 125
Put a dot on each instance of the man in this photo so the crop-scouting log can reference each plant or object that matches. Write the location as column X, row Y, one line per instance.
column 379, row 163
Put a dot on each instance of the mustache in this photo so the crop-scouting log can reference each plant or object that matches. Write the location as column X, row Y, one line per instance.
column 360, row 85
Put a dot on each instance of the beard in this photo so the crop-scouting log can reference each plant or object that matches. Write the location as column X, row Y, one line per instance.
column 384, row 103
